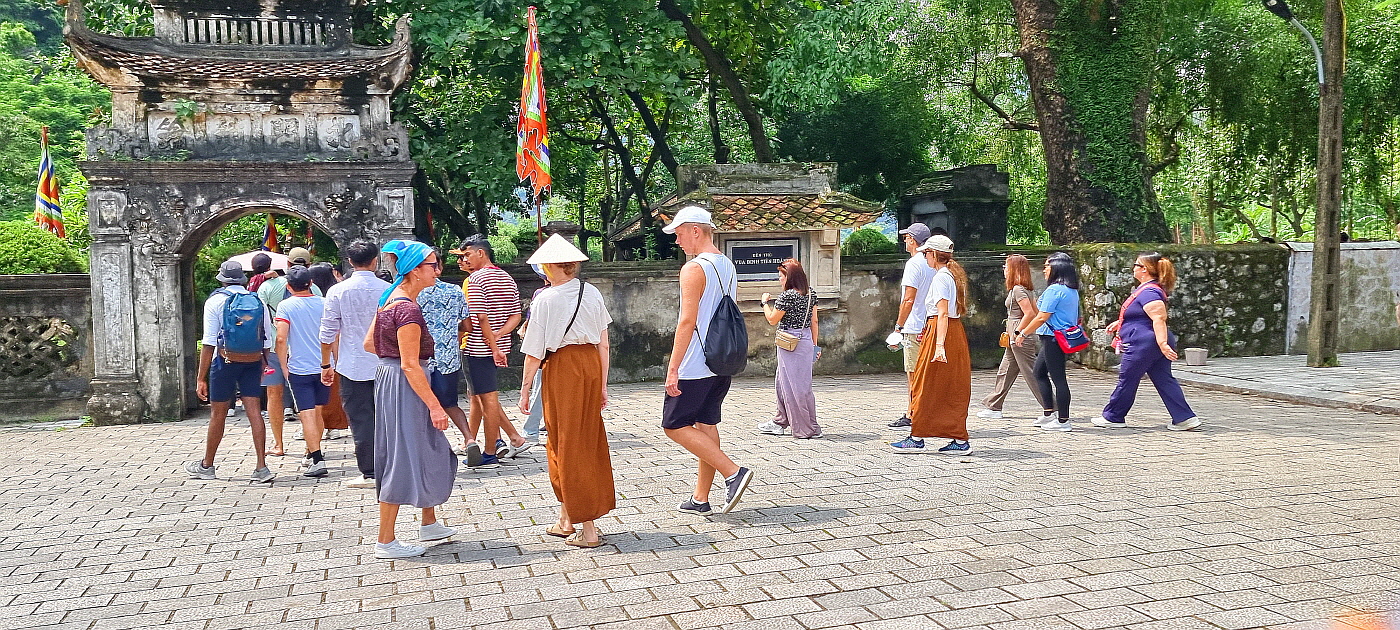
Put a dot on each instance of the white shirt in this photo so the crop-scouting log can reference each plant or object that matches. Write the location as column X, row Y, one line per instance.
column 943, row 287
column 693, row 364
column 349, row 312
column 917, row 274
column 214, row 317
column 550, row 313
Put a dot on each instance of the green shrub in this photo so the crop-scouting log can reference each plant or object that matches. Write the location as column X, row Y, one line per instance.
column 868, row 241
column 27, row 248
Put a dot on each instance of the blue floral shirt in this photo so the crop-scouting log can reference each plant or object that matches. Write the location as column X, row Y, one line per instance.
column 444, row 307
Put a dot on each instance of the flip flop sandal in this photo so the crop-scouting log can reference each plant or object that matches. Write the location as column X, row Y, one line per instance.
column 554, row 530
column 577, row 541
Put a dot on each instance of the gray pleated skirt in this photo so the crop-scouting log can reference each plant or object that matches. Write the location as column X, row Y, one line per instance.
column 413, row 461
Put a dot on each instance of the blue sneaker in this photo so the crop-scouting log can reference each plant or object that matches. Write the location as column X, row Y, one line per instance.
column 956, row 448
column 487, row 461
column 691, row 506
column 908, row 445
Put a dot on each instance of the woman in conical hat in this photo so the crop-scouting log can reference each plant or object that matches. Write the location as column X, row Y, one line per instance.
column 568, row 335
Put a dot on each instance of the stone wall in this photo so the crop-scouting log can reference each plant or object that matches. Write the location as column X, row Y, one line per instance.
column 45, row 346
column 1370, row 292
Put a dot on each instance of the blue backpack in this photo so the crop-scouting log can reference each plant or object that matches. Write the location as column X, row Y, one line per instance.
column 242, row 338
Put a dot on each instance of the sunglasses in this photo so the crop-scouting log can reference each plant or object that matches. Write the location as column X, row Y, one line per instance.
column 1138, row 265
column 435, row 265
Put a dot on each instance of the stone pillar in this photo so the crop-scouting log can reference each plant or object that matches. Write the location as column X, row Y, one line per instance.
column 161, row 333
column 115, row 398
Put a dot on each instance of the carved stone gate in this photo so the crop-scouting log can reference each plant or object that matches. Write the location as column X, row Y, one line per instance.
column 234, row 107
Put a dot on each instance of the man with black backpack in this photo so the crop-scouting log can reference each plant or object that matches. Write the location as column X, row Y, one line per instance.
column 235, row 346
column 710, row 347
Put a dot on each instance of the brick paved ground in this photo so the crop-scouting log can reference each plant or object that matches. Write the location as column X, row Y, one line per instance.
column 1274, row 515
column 1366, row 381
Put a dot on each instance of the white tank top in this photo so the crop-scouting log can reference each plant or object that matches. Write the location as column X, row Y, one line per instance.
column 720, row 280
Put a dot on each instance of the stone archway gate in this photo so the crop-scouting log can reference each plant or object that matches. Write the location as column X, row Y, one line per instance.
column 233, row 107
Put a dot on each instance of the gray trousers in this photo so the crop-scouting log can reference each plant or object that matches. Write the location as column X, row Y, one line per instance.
column 1017, row 361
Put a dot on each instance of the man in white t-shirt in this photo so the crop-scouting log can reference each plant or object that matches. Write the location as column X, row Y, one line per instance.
column 912, row 312
column 694, row 394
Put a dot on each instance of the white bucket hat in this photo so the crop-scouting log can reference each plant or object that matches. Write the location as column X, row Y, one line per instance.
column 689, row 214
column 937, row 243
column 557, row 250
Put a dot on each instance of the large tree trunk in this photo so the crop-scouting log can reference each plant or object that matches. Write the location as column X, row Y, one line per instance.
column 1092, row 117
column 720, row 66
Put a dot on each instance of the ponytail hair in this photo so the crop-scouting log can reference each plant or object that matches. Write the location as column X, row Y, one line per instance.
column 1161, row 269
column 959, row 276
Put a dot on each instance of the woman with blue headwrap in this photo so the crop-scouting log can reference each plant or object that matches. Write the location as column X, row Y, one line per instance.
column 413, row 460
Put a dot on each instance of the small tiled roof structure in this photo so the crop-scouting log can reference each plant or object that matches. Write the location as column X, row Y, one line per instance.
column 779, row 213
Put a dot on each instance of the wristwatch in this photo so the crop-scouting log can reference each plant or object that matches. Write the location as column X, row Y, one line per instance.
column 326, row 366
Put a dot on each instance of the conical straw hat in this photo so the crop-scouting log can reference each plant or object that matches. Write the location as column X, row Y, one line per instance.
column 557, row 250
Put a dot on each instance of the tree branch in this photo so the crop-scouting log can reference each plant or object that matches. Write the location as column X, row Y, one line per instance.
column 1008, row 121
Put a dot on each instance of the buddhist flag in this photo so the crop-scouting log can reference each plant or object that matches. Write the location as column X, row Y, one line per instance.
column 532, row 139
column 269, row 240
column 47, row 212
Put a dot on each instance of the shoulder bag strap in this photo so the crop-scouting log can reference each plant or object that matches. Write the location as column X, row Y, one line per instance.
column 702, row 294
column 577, row 304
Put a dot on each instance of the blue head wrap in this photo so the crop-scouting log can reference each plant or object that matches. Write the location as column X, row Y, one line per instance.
column 407, row 256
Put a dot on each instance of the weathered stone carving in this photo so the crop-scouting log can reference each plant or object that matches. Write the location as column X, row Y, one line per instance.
column 107, row 143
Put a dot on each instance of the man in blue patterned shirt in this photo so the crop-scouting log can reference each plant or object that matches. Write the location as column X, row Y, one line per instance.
column 445, row 309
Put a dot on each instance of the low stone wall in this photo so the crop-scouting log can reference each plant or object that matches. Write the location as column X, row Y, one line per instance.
column 1370, row 291
column 45, row 346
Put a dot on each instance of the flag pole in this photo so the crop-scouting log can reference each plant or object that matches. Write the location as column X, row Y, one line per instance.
column 539, row 219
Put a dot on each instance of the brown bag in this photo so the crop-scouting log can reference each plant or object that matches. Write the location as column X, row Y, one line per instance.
column 1005, row 341
column 785, row 340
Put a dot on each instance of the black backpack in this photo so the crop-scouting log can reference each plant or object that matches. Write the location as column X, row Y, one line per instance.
column 726, row 342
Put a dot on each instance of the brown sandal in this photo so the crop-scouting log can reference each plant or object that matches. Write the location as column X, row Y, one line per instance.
column 554, row 530
column 577, row 541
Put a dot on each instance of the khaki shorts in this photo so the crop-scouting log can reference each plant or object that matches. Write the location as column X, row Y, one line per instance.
column 911, row 352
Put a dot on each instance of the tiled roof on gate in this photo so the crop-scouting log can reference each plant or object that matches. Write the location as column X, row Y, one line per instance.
column 157, row 64
column 777, row 213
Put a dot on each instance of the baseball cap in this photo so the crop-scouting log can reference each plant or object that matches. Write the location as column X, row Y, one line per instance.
column 231, row 272
column 299, row 254
column 689, row 214
column 919, row 231
column 937, row 243
column 299, row 278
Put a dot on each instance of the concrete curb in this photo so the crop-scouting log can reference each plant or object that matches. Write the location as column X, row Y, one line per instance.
column 1238, row 386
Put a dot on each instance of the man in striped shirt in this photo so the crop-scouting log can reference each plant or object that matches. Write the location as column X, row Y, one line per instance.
column 494, row 302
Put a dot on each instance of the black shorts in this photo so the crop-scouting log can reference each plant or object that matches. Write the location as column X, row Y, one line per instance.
column 699, row 402
column 482, row 373
column 308, row 392
column 446, row 387
column 226, row 377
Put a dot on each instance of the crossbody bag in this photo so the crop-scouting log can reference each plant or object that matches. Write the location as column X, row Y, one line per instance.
column 788, row 341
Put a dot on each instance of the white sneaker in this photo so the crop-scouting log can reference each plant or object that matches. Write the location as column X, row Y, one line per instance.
column 436, row 531
column 989, row 413
column 1189, row 424
column 334, row 434
column 771, row 428
column 198, row 470
column 1056, row 425
column 262, row 475
column 1100, row 421
column 396, row 549
column 1049, row 418
column 316, row 469
column 359, row 482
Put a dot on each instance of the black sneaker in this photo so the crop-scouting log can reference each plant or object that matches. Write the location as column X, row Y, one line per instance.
column 691, row 506
column 735, row 487
column 903, row 421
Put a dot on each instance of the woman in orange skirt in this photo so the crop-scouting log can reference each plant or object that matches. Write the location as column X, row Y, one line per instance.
column 942, row 382
column 568, row 335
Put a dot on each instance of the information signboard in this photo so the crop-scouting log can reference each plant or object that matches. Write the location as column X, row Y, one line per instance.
column 757, row 259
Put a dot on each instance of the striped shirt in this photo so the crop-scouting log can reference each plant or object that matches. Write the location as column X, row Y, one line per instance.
column 491, row 291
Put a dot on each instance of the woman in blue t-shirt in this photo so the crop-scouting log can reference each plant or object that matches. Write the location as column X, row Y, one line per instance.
column 1059, row 310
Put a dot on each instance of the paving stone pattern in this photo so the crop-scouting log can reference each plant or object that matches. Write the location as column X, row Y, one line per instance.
column 1274, row 515
column 1366, row 381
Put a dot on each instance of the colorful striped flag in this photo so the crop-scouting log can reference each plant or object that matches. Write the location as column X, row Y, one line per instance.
column 47, row 212
column 532, row 136
column 269, row 241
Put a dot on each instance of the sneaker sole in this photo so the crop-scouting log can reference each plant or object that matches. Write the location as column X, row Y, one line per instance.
column 1110, row 425
column 319, row 473
column 697, row 512
column 473, row 455
column 910, row 451
column 730, row 504
column 1057, row 429
column 1185, row 426
column 379, row 556
column 485, row 467
column 963, row 452
column 422, row 539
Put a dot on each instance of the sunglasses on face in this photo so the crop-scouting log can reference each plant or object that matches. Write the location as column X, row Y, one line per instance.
column 435, row 265
column 1138, row 266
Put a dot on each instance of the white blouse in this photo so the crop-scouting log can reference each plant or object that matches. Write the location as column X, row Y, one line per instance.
column 943, row 287
column 550, row 314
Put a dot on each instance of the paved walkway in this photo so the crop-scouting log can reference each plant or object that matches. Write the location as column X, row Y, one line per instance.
column 1274, row 515
column 1366, row 381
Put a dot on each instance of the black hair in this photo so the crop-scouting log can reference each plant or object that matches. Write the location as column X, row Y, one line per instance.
column 1062, row 270
column 361, row 252
column 937, row 231
column 479, row 241
column 261, row 263
column 323, row 276
column 385, row 275
column 294, row 281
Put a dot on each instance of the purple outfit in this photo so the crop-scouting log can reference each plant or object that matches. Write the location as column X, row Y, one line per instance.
column 1141, row 356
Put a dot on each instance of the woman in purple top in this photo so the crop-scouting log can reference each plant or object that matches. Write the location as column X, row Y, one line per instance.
column 1141, row 336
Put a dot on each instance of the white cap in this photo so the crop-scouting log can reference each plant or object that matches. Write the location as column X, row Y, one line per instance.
column 689, row 214
column 557, row 250
column 937, row 243
column 894, row 339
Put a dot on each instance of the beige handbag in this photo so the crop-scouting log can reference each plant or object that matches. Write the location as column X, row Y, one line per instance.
column 785, row 340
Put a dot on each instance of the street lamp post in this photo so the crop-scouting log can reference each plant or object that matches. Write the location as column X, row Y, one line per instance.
column 1327, row 248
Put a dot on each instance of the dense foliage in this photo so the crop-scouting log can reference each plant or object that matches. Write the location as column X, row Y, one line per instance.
column 25, row 248
column 868, row 241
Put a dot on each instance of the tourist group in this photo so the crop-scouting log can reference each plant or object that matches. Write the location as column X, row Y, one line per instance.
column 384, row 357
